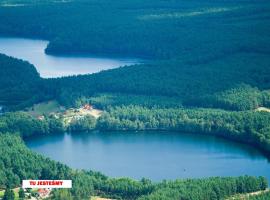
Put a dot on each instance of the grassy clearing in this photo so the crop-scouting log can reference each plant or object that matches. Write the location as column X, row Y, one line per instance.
column 99, row 198
column 2, row 193
column 16, row 192
column 263, row 109
column 45, row 108
column 75, row 114
column 67, row 115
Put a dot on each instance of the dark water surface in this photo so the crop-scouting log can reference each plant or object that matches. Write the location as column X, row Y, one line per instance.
column 56, row 66
column 154, row 155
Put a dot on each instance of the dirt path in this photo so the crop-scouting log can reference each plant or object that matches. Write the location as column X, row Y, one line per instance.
column 245, row 196
column 99, row 198
column 94, row 112
column 263, row 109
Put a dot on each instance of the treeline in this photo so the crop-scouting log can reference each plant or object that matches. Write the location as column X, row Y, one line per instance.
column 20, row 84
column 86, row 123
column 26, row 125
column 162, row 84
column 106, row 100
column 17, row 163
column 234, row 87
column 202, row 67
column 249, row 126
column 205, row 67
column 242, row 97
column 211, row 188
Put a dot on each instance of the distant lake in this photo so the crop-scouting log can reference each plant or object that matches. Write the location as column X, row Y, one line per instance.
column 56, row 66
column 154, row 155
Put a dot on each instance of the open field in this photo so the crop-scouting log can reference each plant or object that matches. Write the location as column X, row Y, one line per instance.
column 263, row 109
column 99, row 198
column 67, row 115
column 75, row 114
column 16, row 192
column 2, row 193
column 45, row 108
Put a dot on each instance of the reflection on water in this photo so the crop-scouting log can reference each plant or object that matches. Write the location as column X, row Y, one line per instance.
column 155, row 155
column 57, row 66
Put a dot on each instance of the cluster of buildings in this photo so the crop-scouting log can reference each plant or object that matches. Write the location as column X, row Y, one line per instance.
column 39, row 194
column 44, row 193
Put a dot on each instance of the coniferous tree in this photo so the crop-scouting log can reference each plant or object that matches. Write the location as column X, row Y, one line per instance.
column 9, row 194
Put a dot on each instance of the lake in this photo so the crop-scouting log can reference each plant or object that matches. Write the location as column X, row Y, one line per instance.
column 56, row 66
column 154, row 155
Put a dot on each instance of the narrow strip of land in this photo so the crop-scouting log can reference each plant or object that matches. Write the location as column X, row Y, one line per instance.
column 263, row 109
column 99, row 198
column 247, row 195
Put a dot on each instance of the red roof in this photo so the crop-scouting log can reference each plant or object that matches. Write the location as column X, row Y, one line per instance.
column 43, row 191
column 87, row 106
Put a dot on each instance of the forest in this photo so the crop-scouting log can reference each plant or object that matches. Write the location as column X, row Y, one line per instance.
column 20, row 84
column 206, row 70
column 246, row 126
column 185, row 58
column 165, row 27
column 137, row 84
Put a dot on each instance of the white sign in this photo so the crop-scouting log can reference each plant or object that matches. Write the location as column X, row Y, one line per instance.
column 46, row 184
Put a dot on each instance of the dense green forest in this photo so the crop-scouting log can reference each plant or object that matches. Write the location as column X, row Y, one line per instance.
column 16, row 88
column 233, row 87
column 167, row 28
column 136, row 84
column 27, row 125
column 249, row 127
column 205, row 53
column 20, row 84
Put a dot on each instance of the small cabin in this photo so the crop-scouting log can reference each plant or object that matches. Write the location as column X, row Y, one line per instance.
column 88, row 107
column 41, row 117
column 44, row 193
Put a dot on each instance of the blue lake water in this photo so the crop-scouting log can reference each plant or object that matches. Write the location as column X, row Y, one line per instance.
column 56, row 66
column 154, row 155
